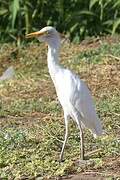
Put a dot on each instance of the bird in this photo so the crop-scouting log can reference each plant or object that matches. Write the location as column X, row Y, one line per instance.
column 72, row 92
column 8, row 74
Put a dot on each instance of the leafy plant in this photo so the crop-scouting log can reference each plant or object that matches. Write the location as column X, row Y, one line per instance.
column 76, row 18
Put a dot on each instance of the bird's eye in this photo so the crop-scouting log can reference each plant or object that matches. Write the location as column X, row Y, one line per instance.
column 47, row 32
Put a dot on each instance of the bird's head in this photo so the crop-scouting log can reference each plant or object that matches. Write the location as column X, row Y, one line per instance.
column 47, row 34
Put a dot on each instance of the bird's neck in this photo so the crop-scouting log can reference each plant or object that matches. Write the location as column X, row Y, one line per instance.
column 53, row 59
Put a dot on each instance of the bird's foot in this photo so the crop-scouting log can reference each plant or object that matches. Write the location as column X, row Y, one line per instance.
column 84, row 163
column 61, row 161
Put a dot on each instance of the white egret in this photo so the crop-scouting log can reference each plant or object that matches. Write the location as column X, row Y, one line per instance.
column 72, row 92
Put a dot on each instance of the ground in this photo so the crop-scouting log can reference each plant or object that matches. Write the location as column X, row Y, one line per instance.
column 31, row 118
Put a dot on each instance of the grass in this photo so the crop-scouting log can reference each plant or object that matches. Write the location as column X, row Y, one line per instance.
column 31, row 118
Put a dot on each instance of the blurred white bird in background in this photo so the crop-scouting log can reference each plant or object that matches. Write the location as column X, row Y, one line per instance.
column 72, row 92
column 8, row 74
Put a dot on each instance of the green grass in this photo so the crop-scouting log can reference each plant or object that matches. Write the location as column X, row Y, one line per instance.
column 31, row 119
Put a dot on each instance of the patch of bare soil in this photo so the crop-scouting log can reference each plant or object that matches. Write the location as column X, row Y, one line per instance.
column 93, row 43
column 103, row 78
column 110, row 169
column 86, row 176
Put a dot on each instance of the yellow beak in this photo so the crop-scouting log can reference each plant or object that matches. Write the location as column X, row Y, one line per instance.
column 35, row 34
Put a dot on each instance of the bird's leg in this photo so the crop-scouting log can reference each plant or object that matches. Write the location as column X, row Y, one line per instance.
column 77, row 117
column 82, row 140
column 66, row 136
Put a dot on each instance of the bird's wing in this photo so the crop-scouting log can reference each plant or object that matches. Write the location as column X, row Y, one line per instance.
column 82, row 100
column 8, row 74
column 74, row 95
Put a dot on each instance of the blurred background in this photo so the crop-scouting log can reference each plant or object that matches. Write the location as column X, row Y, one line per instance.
column 76, row 18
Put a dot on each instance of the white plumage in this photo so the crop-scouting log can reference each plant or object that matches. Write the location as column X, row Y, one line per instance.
column 72, row 92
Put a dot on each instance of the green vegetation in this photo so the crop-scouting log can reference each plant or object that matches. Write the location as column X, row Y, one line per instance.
column 31, row 119
column 76, row 18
